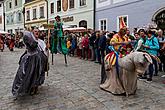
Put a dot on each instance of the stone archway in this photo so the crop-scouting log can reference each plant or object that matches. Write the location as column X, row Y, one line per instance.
column 159, row 18
column 83, row 23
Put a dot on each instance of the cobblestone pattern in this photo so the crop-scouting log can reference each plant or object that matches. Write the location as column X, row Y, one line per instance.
column 75, row 87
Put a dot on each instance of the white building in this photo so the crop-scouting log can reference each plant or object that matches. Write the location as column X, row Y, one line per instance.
column 1, row 15
column 74, row 13
column 14, row 20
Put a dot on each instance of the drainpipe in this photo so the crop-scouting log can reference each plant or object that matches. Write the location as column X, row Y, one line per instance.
column 94, row 15
column 4, row 16
column 47, row 10
column 23, row 15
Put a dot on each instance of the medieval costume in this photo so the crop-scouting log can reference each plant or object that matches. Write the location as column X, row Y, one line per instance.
column 122, row 77
column 58, row 43
column 1, row 43
column 11, row 44
column 32, row 67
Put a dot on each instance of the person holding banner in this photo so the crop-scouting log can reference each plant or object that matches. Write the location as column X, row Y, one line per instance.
column 58, row 43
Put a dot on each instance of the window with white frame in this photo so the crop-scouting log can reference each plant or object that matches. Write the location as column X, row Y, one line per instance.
column 82, row 2
column 122, row 20
column 34, row 13
column 12, row 18
column 10, row 5
column 52, row 8
column 58, row 5
column 103, row 24
column 71, row 4
column 19, row 17
column 16, row 2
column 8, row 19
column 28, row 15
column 42, row 12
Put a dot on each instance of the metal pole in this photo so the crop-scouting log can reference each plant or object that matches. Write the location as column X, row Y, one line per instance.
column 65, row 60
column 94, row 15
column 4, row 16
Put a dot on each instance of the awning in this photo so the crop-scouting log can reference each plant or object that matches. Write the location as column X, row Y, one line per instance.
column 78, row 29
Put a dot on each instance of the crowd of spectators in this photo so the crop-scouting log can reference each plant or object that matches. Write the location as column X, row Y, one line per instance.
column 93, row 46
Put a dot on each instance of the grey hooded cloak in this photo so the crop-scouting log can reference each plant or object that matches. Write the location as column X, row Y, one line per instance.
column 32, row 67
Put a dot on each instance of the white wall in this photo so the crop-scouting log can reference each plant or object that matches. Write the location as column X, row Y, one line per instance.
column 78, row 12
column 102, row 3
column 1, row 14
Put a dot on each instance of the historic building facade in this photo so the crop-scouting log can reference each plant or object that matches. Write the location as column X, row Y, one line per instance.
column 74, row 13
column 14, row 21
column 136, row 13
column 2, row 15
column 35, row 13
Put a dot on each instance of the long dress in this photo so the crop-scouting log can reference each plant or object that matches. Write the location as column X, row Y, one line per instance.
column 58, row 43
column 32, row 67
column 125, row 79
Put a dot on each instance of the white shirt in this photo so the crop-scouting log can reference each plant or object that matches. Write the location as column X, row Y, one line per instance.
column 41, row 44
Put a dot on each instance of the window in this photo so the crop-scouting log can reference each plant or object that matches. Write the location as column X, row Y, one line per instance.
column 16, row 3
column 71, row 4
column 58, row 5
column 28, row 15
column 42, row 12
column 8, row 19
column 122, row 21
column 34, row 14
column 0, row 5
column 12, row 18
column 10, row 5
column 83, row 23
column 82, row 2
column 103, row 25
column 52, row 8
column 19, row 17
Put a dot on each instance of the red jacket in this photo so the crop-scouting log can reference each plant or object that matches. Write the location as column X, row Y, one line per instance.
column 85, row 42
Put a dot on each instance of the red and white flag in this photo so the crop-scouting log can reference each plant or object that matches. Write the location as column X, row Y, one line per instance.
column 122, row 23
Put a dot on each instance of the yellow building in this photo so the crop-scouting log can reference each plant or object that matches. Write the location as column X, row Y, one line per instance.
column 35, row 13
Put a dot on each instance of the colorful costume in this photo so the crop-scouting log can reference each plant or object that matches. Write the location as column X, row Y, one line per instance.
column 58, row 43
column 1, row 43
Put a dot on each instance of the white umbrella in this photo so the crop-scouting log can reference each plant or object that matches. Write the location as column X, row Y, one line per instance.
column 42, row 29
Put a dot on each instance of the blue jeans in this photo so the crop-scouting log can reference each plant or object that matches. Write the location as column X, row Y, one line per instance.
column 151, row 69
column 98, row 56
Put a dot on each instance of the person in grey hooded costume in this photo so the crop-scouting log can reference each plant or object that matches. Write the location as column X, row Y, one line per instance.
column 32, row 67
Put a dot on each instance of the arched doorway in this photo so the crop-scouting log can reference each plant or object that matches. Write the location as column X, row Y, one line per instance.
column 159, row 18
column 83, row 23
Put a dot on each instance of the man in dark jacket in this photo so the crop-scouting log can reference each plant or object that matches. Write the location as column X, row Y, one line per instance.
column 102, row 45
column 92, row 38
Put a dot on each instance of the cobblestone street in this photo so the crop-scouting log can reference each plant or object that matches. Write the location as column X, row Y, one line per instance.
column 75, row 87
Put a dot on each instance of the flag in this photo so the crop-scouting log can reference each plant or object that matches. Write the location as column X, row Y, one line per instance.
column 121, row 22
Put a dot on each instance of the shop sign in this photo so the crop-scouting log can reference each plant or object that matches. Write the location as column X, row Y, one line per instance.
column 68, row 19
